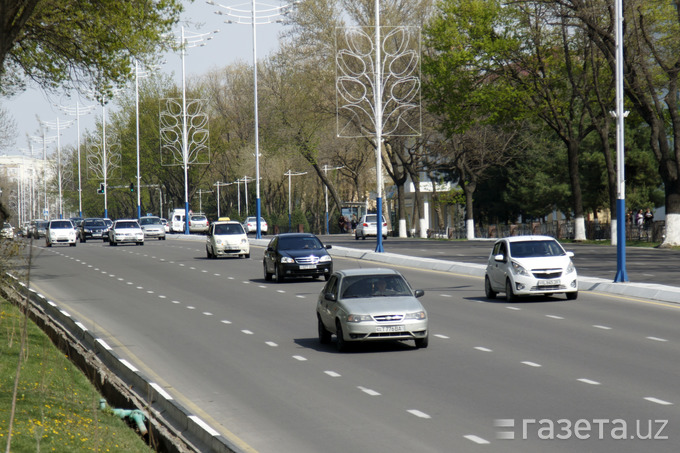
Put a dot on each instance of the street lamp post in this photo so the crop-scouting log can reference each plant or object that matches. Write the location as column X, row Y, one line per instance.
column 325, row 171
column 218, row 184
column 44, row 140
column 58, row 127
column 290, row 205
column 78, row 111
column 253, row 17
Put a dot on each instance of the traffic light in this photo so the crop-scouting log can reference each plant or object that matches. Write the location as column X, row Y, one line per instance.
column 132, row 187
column 101, row 188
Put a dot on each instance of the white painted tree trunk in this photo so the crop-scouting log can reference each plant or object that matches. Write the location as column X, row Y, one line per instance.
column 470, row 227
column 423, row 228
column 402, row 228
column 579, row 229
column 672, row 231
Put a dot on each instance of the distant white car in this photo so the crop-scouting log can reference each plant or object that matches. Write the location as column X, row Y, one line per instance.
column 60, row 231
column 126, row 231
column 152, row 227
column 227, row 238
column 250, row 225
column 530, row 265
column 198, row 223
column 7, row 231
column 368, row 226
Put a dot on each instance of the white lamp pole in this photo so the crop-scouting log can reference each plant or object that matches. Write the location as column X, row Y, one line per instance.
column 269, row 14
column 290, row 205
column 378, row 129
column 325, row 171
column 78, row 110
column 58, row 127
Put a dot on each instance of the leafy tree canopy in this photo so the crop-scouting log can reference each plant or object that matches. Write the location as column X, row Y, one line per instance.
column 73, row 43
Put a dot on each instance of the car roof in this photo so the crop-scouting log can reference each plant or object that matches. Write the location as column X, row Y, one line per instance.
column 527, row 238
column 226, row 222
column 296, row 235
column 367, row 271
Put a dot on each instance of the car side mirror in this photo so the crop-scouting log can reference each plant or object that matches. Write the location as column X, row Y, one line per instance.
column 499, row 258
column 330, row 296
column 329, row 246
column 270, row 249
column 570, row 254
column 419, row 293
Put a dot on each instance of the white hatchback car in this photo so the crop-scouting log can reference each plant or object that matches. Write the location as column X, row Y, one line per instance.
column 60, row 231
column 227, row 238
column 530, row 265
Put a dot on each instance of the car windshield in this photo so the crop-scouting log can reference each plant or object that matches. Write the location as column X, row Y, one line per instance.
column 97, row 222
column 534, row 249
column 198, row 217
column 150, row 221
column 229, row 228
column 41, row 224
column 61, row 224
column 120, row 225
column 374, row 286
column 300, row 243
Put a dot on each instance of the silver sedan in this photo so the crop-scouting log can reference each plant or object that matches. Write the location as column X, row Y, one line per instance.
column 370, row 305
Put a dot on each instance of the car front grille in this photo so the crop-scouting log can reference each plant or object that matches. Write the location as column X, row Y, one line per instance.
column 389, row 318
column 547, row 273
column 307, row 260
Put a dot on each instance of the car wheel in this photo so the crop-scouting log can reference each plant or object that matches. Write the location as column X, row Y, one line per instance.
column 207, row 252
column 341, row 344
column 267, row 275
column 363, row 237
column 356, row 237
column 324, row 335
column 490, row 293
column 572, row 296
column 278, row 278
column 47, row 244
column 73, row 244
column 247, row 256
column 422, row 343
column 509, row 294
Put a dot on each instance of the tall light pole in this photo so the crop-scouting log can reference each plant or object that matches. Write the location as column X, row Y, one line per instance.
column 56, row 125
column 378, row 129
column 325, row 171
column 44, row 139
column 621, row 275
column 78, row 111
column 218, row 184
column 188, row 40
column 267, row 15
column 290, row 205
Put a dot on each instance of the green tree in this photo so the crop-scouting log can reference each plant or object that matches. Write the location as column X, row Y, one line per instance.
column 72, row 43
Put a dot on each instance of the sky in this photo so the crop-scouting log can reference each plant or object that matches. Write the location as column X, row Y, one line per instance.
column 232, row 43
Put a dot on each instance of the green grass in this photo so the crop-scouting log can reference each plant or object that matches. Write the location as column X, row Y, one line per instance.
column 57, row 408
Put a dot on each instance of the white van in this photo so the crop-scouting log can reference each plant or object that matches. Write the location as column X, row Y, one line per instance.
column 177, row 221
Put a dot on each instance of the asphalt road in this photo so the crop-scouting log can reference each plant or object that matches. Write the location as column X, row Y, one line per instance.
column 244, row 355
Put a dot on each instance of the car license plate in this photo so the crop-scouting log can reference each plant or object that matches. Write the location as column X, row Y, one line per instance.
column 307, row 266
column 548, row 282
column 390, row 329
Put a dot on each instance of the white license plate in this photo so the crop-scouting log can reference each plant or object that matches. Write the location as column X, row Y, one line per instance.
column 307, row 266
column 548, row 282
column 390, row 329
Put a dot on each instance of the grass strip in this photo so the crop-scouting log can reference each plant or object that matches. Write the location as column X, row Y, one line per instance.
column 57, row 408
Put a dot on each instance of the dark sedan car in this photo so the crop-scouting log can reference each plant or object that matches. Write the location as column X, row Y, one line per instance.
column 92, row 228
column 296, row 255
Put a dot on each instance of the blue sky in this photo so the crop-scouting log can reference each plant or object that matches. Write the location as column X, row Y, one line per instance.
column 233, row 43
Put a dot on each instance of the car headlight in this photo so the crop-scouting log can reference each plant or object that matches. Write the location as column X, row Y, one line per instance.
column 519, row 269
column 359, row 318
column 287, row 260
column 570, row 268
column 417, row 315
column 244, row 241
column 219, row 242
column 325, row 259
